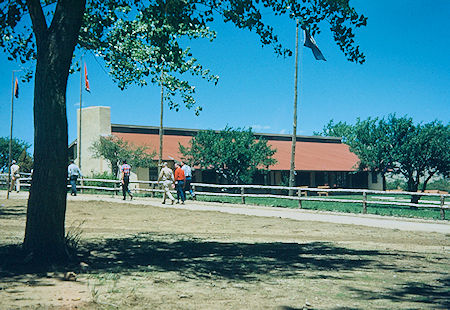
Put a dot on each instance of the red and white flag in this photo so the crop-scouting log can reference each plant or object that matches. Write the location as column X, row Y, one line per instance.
column 16, row 89
column 86, row 80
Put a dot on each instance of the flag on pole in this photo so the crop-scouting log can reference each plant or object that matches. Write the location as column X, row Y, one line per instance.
column 86, row 81
column 16, row 89
column 311, row 43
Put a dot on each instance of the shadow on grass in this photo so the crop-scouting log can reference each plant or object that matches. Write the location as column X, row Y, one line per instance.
column 436, row 295
column 237, row 261
column 209, row 259
column 12, row 211
column 196, row 258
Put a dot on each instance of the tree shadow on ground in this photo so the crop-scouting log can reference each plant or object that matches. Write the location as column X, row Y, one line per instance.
column 238, row 261
column 437, row 296
column 227, row 260
column 197, row 258
column 12, row 211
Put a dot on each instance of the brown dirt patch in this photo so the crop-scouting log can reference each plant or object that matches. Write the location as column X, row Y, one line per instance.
column 146, row 257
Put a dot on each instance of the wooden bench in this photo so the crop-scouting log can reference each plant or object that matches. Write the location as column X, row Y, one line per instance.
column 435, row 191
column 305, row 193
column 323, row 187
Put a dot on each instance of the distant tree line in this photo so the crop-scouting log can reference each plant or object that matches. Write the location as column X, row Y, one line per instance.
column 398, row 146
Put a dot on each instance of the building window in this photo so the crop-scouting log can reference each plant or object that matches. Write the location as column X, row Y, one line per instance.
column 153, row 173
column 374, row 177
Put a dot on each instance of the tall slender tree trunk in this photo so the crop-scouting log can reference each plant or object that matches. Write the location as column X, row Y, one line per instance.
column 294, row 125
column 45, row 231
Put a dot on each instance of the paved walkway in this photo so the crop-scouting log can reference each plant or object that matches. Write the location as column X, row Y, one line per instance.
column 295, row 214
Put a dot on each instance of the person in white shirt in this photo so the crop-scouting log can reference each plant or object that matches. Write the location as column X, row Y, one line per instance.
column 188, row 174
column 73, row 172
column 167, row 179
column 15, row 177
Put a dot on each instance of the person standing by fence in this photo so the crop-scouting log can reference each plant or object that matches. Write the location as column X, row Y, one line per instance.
column 15, row 177
column 166, row 176
column 179, row 182
column 188, row 174
column 125, row 170
column 73, row 172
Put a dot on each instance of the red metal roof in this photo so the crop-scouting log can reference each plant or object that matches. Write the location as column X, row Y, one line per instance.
column 318, row 155
column 314, row 156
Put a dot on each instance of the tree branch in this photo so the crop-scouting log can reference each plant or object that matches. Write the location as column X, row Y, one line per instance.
column 40, row 28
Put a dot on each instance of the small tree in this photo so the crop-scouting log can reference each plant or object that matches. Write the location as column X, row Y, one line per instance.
column 339, row 129
column 235, row 154
column 18, row 152
column 114, row 150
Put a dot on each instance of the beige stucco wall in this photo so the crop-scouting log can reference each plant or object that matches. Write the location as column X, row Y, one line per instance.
column 95, row 122
column 378, row 186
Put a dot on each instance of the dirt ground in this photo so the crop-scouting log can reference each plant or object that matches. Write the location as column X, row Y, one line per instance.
column 146, row 257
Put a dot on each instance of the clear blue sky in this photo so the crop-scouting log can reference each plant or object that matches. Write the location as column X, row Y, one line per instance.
column 407, row 72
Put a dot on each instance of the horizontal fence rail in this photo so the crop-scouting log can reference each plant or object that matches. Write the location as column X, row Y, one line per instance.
column 246, row 191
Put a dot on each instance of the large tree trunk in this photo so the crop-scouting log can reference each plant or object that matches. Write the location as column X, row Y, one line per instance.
column 45, row 232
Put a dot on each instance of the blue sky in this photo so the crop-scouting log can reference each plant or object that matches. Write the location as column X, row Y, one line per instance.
column 407, row 72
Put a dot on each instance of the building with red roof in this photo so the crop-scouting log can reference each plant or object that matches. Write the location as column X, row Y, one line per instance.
column 319, row 161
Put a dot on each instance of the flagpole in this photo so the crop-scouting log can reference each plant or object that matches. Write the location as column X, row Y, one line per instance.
column 10, row 134
column 161, row 133
column 81, row 106
column 294, row 127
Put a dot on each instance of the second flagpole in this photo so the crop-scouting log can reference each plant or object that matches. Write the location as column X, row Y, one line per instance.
column 81, row 107
column 294, row 127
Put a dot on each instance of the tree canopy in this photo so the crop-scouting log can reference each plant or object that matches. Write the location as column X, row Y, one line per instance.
column 115, row 150
column 235, row 154
column 145, row 41
column 397, row 145
column 140, row 42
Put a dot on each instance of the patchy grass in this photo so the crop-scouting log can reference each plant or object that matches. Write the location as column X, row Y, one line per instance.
column 389, row 210
column 144, row 257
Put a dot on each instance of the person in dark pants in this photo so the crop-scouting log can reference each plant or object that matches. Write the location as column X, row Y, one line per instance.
column 179, row 181
column 73, row 172
column 188, row 174
column 125, row 170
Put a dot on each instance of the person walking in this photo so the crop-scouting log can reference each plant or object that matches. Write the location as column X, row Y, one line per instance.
column 125, row 171
column 188, row 175
column 167, row 179
column 73, row 172
column 179, row 183
column 15, row 177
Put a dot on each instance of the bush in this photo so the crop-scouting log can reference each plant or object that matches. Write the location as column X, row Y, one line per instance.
column 396, row 184
column 441, row 184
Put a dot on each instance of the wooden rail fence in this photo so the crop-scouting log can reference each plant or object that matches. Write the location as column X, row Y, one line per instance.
column 246, row 191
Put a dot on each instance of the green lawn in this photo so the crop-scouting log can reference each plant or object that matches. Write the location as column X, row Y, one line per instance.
column 387, row 210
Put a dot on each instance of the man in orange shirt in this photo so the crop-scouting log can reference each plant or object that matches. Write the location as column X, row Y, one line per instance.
column 179, row 181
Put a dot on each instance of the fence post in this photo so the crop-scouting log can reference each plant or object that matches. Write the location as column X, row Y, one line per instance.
column 152, row 187
column 299, row 198
column 242, row 194
column 364, row 202
column 442, row 207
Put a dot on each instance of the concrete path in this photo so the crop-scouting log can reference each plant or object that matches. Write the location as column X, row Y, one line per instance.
column 294, row 214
